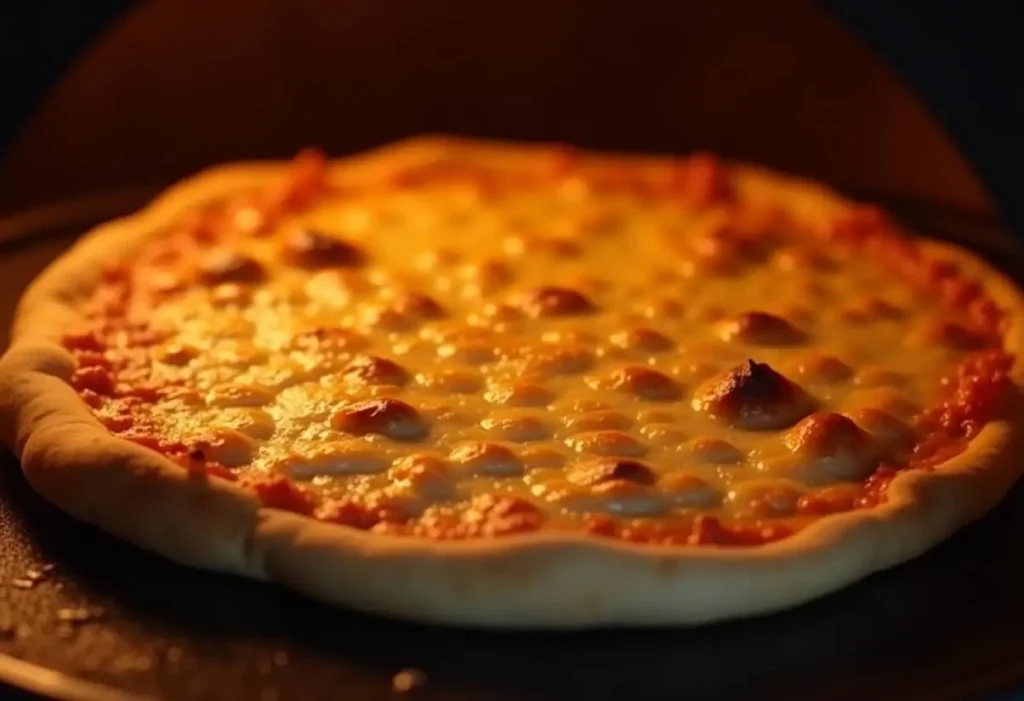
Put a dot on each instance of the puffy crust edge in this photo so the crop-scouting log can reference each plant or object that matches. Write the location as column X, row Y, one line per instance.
column 538, row 580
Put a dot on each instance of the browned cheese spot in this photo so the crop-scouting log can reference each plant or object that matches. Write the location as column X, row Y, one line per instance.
column 312, row 248
column 831, row 448
column 223, row 265
column 374, row 370
column 753, row 396
column 642, row 381
column 760, row 329
column 589, row 473
column 715, row 450
column 427, row 474
column 418, row 305
column 487, row 459
column 889, row 431
column 554, row 301
column 519, row 394
column 385, row 416
column 641, row 339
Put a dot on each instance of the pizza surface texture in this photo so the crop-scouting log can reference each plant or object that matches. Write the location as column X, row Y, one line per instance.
column 519, row 386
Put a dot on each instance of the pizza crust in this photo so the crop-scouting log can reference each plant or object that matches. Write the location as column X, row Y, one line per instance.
column 536, row 580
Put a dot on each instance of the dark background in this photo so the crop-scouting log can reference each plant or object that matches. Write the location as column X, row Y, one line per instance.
column 906, row 97
column 816, row 88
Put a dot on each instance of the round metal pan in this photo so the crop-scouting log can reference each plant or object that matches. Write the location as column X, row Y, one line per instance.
column 949, row 625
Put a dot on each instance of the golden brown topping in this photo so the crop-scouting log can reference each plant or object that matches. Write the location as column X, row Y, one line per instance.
column 418, row 305
column 254, row 423
column 311, row 248
column 499, row 514
column 554, row 301
column 226, row 446
column 597, row 421
column 715, row 450
column 599, row 470
column 688, row 490
column 519, row 394
column 641, row 381
column 725, row 244
column 641, row 339
column 825, row 433
column 386, row 416
column 796, row 314
column 486, row 277
column 225, row 265
column 387, row 319
column 176, row 353
column 753, row 396
column 830, row 448
column 373, row 370
column 761, row 329
column 606, row 443
column 425, row 474
column 519, row 427
column 487, row 459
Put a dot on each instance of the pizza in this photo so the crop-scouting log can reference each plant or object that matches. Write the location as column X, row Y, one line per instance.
column 519, row 386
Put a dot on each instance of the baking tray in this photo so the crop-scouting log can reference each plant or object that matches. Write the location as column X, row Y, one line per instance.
column 949, row 625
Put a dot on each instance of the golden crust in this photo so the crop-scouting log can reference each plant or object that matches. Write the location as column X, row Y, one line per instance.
column 537, row 580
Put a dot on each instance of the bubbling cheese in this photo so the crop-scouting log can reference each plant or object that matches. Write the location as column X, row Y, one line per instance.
column 416, row 354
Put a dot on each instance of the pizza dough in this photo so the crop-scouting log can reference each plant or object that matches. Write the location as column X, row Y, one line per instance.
column 518, row 386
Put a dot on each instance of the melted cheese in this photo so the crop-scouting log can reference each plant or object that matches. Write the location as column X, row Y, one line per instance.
column 455, row 344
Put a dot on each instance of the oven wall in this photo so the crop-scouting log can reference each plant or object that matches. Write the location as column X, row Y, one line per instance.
column 183, row 83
